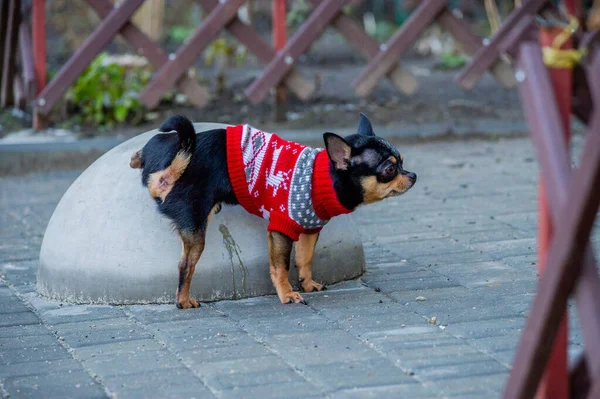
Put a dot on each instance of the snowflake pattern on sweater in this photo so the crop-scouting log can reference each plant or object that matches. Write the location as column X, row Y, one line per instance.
column 273, row 178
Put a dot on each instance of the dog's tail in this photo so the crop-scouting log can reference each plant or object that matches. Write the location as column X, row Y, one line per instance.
column 161, row 182
column 187, row 142
column 186, row 132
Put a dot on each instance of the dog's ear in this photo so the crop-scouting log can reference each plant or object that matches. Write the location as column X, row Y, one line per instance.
column 136, row 160
column 338, row 150
column 364, row 126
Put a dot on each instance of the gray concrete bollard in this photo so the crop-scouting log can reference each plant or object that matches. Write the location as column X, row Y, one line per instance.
column 107, row 243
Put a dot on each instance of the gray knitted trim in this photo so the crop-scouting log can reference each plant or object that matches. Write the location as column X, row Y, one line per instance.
column 300, row 203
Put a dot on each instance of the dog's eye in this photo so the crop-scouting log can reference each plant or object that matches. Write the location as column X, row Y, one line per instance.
column 390, row 170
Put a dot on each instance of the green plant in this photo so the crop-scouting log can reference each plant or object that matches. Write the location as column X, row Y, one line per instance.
column 384, row 30
column 451, row 60
column 298, row 13
column 107, row 93
column 223, row 52
column 180, row 33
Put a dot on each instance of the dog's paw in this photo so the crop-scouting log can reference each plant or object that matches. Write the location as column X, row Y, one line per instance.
column 188, row 303
column 292, row 297
column 312, row 286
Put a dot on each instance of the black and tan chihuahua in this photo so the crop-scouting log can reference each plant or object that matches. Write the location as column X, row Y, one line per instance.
column 297, row 188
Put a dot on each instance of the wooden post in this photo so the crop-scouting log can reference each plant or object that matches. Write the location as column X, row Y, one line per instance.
column 10, row 53
column 279, row 39
column 555, row 383
column 38, row 17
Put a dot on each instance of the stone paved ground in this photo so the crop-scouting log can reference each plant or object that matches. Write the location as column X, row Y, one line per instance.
column 462, row 242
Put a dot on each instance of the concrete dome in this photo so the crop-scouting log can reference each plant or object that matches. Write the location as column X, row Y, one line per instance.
column 107, row 243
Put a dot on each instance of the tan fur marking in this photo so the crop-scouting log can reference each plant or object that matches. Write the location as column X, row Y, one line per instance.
column 161, row 183
column 305, row 251
column 215, row 209
column 136, row 160
column 393, row 160
column 374, row 191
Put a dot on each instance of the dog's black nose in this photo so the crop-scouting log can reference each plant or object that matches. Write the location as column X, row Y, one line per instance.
column 412, row 176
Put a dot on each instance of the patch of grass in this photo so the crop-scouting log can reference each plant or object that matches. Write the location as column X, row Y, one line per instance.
column 451, row 60
column 108, row 93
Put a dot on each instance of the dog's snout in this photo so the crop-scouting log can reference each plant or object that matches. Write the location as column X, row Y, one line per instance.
column 412, row 176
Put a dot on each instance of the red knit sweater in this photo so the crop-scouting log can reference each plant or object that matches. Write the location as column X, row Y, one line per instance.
column 286, row 183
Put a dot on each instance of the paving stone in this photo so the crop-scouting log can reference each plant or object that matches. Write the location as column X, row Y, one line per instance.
column 381, row 311
column 261, row 371
column 493, row 345
column 523, row 221
column 188, row 339
column 468, row 222
column 75, row 384
column 522, row 262
column 453, row 258
column 378, row 325
column 28, row 341
column 431, row 281
column 486, row 328
column 465, row 305
column 150, row 314
column 373, row 372
column 396, row 233
column 415, row 391
column 505, row 357
column 321, row 347
column 171, row 383
column 131, row 362
column 412, row 337
column 460, row 370
column 265, row 326
column 80, row 314
column 488, row 236
column 23, row 330
column 100, row 332
column 397, row 266
column 232, row 380
column 119, row 347
column 11, row 304
column 223, row 353
column 296, row 389
column 505, row 248
column 19, row 319
column 21, row 253
column 487, row 385
column 420, row 358
column 40, row 367
column 33, row 354
column 479, row 274
column 416, row 271
column 261, row 307
column 412, row 249
column 331, row 299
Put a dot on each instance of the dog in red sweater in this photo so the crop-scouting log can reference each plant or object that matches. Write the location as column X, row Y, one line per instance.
column 297, row 188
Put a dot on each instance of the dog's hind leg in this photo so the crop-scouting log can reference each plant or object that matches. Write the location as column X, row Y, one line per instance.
column 280, row 248
column 192, row 247
column 305, row 250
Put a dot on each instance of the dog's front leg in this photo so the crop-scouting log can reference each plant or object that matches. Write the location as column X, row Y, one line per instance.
column 280, row 248
column 305, row 250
